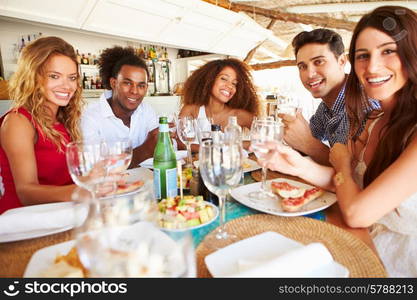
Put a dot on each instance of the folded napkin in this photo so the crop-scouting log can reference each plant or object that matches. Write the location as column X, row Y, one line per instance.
column 299, row 262
column 149, row 162
column 37, row 218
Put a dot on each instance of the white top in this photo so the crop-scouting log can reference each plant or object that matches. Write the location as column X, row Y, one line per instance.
column 395, row 234
column 98, row 122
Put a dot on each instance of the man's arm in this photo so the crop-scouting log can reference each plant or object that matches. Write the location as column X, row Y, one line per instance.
column 297, row 134
column 145, row 150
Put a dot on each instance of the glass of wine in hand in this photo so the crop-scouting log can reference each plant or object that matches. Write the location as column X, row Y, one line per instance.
column 187, row 132
column 88, row 165
column 262, row 132
column 221, row 169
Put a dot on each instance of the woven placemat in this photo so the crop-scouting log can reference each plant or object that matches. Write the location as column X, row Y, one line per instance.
column 346, row 249
column 14, row 256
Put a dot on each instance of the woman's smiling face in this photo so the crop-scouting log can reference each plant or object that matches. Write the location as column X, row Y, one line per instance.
column 225, row 84
column 378, row 64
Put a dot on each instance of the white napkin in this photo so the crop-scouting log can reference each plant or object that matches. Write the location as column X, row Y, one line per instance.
column 149, row 162
column 36, row 218
column 295, row 263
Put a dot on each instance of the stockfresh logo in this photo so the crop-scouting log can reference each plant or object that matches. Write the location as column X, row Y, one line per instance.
column 11, row 290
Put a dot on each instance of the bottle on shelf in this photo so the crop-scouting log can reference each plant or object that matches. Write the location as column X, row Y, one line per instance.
column 164, row 164
column 84, row 81
column 93, row 83
column 78, row 57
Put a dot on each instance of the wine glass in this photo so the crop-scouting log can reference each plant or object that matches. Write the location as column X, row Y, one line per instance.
column 203, row 128
column 118, row 236
column 119, row 153
column 264, row 131
column 88, row 165
column 286, row 105
column 221, row 169
column 187, row 132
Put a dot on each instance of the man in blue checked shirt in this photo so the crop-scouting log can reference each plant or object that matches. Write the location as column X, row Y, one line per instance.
column 321, row 62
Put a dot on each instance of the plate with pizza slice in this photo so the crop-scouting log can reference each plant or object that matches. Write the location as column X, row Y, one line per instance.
column 133, row 180
column 293, row 198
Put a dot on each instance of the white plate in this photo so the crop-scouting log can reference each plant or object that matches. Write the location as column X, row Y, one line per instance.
column 263, row 246
column 161, row 243
column 45, row 257
column 253, row 165
column 216, row 213
column 41, row 209
column 143, row 174
column 149, row 162
column 241, row 194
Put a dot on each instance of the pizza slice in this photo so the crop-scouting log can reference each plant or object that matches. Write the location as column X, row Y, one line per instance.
column 295, row 204
column 286, row 190
column 128, row 187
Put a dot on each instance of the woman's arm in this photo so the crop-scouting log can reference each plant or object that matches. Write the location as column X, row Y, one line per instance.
column 244, row 118
column 383, row 195
column 286, row 160
column 18, row 137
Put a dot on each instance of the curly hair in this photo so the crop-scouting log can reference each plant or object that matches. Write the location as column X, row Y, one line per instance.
column 198, row 87
column 113, row 59
column 400, row 24
column 319, row 36
column 27, row 91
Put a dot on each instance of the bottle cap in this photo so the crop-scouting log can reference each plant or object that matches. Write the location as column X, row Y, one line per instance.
column 215, row 127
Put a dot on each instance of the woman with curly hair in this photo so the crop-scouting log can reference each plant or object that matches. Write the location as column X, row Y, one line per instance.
column 219, row 89
column 44, row 117
column 374, row 176
column 120, row 111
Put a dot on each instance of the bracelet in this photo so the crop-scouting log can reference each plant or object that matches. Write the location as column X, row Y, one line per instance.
column 338, row 179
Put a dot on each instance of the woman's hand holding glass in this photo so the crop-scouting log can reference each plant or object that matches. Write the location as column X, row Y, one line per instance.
column 264, row 133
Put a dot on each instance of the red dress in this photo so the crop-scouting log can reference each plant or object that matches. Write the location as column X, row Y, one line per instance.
column 51, row 165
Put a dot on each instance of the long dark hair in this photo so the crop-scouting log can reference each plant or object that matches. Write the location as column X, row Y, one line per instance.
column 197, row 88
column 400, row 24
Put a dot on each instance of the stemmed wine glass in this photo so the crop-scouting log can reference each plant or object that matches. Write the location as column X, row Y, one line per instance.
column 88, row 166
column 264, row 131
column 119, row 153
column 221, row 169
column 187, row 132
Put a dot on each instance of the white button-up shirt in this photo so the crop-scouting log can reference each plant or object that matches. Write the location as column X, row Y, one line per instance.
column 98, row 122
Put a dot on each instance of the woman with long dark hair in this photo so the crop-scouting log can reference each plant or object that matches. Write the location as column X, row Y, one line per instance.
column 374, row 176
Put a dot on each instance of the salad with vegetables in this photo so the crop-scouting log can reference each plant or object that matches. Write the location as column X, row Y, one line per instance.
column 189, row 211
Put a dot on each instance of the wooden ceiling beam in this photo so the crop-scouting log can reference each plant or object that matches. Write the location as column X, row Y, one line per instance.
column 273, row 65
column 251, row 53
column 281, row 15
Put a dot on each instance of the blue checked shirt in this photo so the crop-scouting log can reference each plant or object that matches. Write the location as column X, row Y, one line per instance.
column 332, row 125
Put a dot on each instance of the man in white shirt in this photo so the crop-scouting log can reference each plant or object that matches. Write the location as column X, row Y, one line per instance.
column 120, row 112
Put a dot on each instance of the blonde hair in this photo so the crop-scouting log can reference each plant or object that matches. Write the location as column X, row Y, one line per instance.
column 26, row 89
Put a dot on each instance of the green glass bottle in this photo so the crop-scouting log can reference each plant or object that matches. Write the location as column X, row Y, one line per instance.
column 164, row 164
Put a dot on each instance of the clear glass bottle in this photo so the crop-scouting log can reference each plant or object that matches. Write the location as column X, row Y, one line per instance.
column 232, row 131
column 164, row 164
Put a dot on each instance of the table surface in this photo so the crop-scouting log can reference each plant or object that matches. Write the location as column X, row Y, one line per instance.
column 14, row 256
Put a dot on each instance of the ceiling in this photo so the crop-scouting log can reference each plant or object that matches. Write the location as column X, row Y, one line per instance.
column 189, row 24
column 215, row 26
column 294, row 16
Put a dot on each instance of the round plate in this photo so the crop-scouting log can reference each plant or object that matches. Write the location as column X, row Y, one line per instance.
column 273, row 207
column 215, row 211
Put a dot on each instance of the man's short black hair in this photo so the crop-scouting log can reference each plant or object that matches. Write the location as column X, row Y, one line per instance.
column 320, row 36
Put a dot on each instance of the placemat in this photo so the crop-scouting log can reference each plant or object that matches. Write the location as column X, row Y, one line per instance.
column 344, row 247
column 14, row 256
